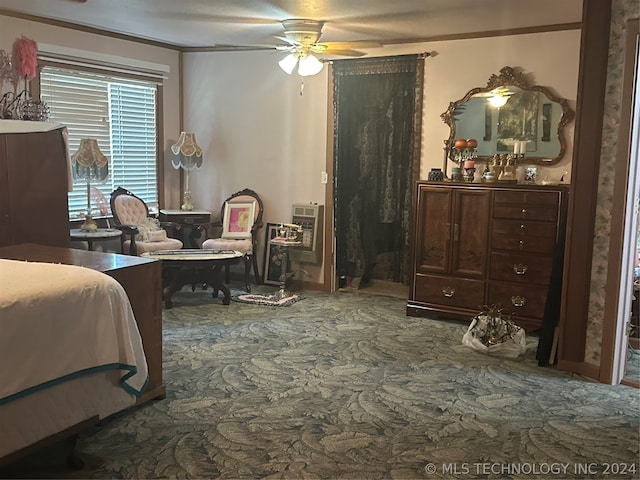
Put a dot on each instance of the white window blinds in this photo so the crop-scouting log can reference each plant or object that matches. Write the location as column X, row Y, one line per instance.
column 121, row 115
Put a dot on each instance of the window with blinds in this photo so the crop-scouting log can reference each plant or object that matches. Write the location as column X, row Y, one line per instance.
column 120, row 114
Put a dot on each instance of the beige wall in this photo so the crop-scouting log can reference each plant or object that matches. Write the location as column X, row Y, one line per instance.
column 11, row 28
column 258, row 131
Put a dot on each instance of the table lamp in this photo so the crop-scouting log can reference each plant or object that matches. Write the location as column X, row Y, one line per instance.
column 89, row 164
column 188, row 156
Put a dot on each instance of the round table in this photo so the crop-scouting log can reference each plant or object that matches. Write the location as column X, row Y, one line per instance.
column 77, row 234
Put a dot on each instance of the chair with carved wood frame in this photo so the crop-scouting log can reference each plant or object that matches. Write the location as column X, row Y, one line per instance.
column 130, row 212
column 245, row 241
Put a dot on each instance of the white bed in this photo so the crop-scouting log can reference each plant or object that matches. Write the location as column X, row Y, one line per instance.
column 70, row 351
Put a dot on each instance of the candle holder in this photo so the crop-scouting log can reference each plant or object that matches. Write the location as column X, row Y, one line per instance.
column 447, row 152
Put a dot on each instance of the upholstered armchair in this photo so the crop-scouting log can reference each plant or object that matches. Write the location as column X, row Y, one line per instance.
column 240, row 220
column 140, row 233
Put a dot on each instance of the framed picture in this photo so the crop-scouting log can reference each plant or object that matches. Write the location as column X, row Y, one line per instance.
column 238, row 220
column 518, row 121
column 272, row 257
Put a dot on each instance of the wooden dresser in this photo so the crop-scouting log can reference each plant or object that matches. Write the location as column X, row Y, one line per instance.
column 140, row 278
column 485, row 244
column 34, row 180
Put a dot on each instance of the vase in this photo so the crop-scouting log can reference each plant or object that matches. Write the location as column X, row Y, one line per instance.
column 436, row 175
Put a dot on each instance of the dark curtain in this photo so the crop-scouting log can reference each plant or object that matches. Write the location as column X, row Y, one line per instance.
column 377, row 131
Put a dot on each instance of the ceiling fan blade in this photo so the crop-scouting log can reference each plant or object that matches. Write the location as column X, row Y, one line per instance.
column 354, row 44
column 290, row 41
column 343, row 51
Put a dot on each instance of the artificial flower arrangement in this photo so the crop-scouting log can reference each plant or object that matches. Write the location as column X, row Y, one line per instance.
column 20, row 65
column 493, row 332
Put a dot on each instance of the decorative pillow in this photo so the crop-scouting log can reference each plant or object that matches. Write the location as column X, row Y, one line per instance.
column 155, row 236
column 148, row 225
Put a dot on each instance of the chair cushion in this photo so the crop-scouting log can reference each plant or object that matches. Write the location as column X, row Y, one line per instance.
column 239, row 245
column 168, row 244
column 130, row 210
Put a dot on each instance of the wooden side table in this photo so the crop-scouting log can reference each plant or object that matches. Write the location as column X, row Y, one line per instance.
column 100, row 234
column 193, row 220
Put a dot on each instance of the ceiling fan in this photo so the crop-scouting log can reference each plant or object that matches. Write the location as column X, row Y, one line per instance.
column 301, row 36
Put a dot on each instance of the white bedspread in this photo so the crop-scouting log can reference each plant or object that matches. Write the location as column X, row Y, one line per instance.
column 59, row 322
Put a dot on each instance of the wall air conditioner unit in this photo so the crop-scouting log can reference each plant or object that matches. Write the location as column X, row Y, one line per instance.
column 311, row 217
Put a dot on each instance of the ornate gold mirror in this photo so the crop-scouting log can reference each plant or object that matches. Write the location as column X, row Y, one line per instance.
column 510, row 115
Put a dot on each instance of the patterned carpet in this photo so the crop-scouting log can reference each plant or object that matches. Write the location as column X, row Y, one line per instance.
column 346, row 386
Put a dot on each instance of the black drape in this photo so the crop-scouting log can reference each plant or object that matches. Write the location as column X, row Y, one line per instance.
column 377, row 126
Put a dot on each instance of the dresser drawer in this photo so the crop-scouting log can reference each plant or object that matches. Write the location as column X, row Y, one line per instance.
column 545, row 213
column 524, row 228
column 526, row 197
column 522, row 244
column 521, row 300
column 450, row 291
column 528, row 269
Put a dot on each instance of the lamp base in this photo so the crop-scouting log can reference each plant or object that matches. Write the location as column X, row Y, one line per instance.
column 89, row 224
column 187, row 206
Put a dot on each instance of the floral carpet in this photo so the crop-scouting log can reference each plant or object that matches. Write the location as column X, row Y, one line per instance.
column 346, row 386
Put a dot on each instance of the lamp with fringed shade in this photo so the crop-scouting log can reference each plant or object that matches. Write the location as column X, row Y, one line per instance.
column 188, row 156
column 89, row 164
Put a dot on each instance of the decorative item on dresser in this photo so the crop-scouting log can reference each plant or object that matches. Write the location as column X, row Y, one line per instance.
column 479, row 245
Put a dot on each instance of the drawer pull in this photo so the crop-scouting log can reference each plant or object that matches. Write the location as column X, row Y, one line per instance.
column 520, row 269
column 521, row 244
column 524, row 213
column 518, row 301
column 523, row 227
column 448, row 291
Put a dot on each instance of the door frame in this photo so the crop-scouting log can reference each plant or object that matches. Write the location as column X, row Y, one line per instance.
column 624, row 221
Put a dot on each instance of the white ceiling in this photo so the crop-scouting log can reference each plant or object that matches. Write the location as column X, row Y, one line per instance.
column 219, row 23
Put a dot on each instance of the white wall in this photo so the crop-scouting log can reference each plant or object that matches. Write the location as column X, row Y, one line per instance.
column 257, row 131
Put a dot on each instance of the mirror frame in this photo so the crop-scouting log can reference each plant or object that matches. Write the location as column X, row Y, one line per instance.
column 510, row 77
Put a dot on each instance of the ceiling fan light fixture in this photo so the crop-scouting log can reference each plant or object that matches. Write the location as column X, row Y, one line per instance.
column 288, row 63
column 309, row 65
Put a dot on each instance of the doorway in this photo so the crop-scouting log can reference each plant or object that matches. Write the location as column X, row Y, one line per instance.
column 377, row 122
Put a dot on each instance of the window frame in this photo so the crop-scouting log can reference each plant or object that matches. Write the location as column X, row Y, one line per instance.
column 35, row 91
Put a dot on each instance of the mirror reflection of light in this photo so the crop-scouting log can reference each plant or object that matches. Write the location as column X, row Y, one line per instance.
column 498, row 100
